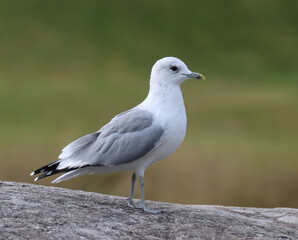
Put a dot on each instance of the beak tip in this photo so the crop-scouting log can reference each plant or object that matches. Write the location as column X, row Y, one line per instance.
column 195, row 76
column 201, row 77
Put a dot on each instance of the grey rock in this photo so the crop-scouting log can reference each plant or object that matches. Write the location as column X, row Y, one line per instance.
column 30, row 211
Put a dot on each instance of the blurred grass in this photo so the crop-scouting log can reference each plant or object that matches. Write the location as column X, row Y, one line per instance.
column 67, row 67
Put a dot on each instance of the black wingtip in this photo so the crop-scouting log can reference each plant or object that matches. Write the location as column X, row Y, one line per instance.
column 51, row 169
column 47, row 170
column 46, row 174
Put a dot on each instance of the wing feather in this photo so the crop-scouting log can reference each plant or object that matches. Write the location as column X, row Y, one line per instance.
column 126, row 138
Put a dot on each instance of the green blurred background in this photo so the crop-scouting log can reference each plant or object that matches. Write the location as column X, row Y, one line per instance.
column 67, row 67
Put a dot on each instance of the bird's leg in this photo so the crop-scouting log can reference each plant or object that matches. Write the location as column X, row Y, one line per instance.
column 130, row 202
column 145, row 208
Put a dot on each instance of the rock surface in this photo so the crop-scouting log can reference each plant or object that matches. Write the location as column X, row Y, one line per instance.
column 37, row 212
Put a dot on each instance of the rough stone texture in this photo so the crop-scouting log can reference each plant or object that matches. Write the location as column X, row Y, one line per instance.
column 36, row 212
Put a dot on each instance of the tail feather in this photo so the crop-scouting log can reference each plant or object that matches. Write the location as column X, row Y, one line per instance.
column 72, row 174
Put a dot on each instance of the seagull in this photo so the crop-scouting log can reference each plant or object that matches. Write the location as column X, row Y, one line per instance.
column 134, row 139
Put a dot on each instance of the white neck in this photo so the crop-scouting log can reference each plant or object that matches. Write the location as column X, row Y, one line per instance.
column 163, row 97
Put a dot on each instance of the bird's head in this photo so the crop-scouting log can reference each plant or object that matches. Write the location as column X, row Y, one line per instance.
column 171, row 70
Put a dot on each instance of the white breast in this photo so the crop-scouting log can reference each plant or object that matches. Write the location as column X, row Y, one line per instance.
column 169, row 112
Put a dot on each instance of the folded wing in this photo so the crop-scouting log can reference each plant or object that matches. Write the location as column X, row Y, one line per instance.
column 126, row 138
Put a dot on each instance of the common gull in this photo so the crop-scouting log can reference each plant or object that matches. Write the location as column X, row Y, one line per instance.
column 134, row 139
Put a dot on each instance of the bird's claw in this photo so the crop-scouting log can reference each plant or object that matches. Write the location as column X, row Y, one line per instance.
column 133, row 205
column 150, row 210
column 145, row 208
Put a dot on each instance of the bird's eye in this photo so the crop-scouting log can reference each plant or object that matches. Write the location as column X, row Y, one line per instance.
column 174, row 68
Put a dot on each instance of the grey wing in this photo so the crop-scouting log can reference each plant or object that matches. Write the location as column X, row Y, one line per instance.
column 126, row 138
